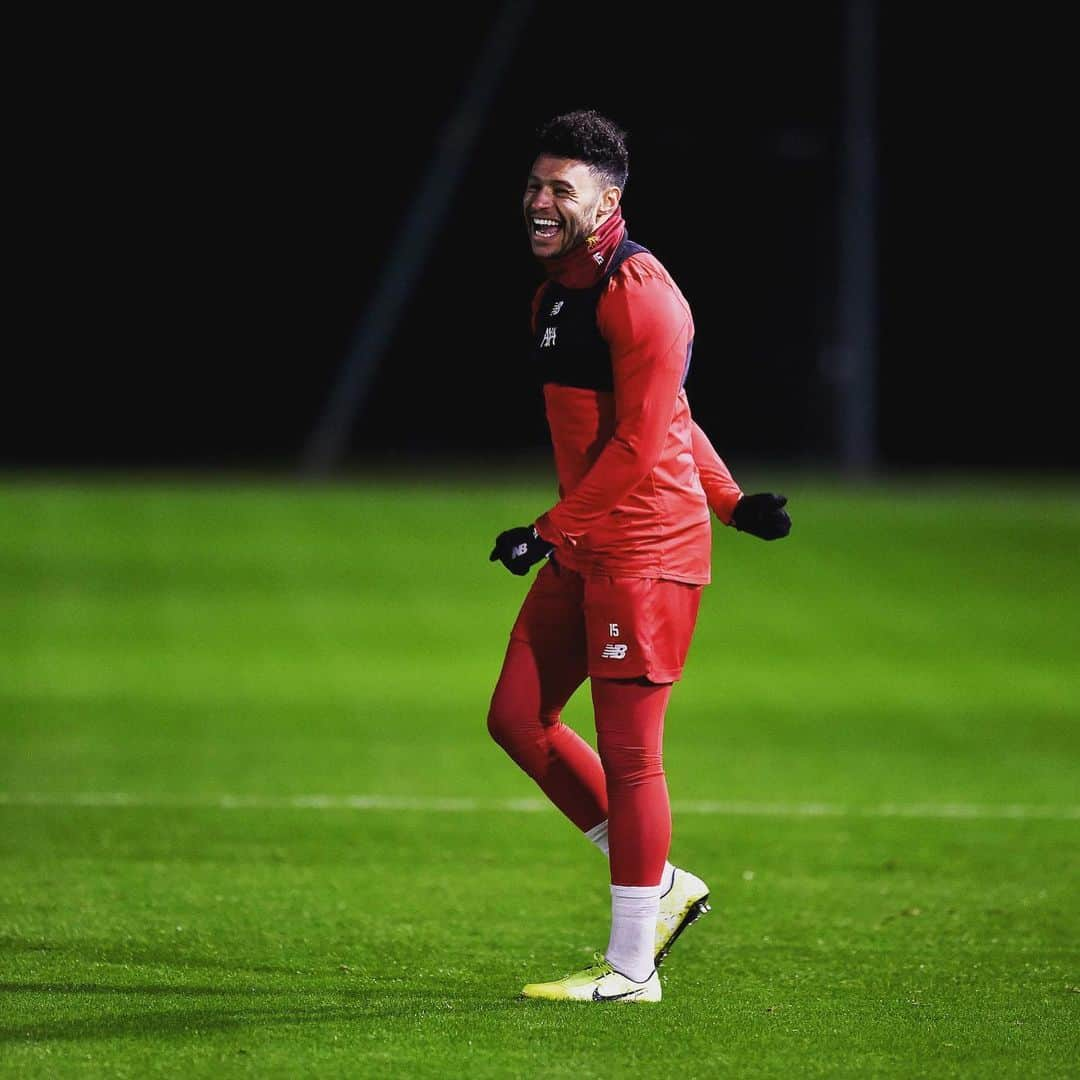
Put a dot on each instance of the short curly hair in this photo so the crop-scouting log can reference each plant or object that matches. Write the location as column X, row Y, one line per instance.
column 586, row 135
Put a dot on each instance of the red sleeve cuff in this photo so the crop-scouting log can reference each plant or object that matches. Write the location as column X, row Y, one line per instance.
column 724, row 507
column 547, row 531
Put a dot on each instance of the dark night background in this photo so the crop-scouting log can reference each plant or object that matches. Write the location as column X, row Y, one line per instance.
column 209, row 206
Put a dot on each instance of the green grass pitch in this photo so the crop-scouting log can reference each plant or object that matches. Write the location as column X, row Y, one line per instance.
column 251, row 822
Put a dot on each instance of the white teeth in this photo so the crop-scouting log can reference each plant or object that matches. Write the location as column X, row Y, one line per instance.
column 544, row 221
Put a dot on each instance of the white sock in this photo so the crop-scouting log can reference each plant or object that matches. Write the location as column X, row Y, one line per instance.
column 598, row 835
column 631, row 948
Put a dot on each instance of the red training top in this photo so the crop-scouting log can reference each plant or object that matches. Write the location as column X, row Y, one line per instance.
column 637, row 476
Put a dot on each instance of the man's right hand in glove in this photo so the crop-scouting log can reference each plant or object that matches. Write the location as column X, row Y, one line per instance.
column 519, row 548
column 762, row 515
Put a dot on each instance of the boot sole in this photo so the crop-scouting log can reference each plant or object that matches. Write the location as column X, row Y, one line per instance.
column 694, row 912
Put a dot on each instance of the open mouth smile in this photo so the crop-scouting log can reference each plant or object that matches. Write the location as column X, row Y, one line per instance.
column 545, row 227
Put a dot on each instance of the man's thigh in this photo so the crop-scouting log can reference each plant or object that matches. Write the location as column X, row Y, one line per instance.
column 547, row 641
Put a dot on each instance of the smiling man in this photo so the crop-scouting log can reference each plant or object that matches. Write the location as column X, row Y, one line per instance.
column 625, row 550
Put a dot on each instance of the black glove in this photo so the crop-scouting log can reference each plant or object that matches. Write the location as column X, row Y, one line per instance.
column 519, row 548
column 762, row 515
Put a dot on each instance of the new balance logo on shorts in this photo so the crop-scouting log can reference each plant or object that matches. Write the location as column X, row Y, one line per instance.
column 613, row 652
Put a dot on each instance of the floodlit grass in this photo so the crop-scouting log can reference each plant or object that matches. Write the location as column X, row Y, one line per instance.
column 874, row 759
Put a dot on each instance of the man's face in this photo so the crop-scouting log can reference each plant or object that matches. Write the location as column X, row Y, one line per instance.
column 564, row 203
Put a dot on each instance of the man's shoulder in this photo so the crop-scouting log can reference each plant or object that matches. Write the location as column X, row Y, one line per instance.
column 642, row 273
column 641, row 268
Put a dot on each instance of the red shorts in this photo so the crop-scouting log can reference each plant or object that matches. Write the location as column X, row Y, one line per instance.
column 626, row 628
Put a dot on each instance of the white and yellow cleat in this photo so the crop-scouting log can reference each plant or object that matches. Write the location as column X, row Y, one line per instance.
column 684, row 903
column 598, row 982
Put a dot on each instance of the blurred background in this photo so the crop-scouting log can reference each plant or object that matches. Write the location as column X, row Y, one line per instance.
column 295, row 242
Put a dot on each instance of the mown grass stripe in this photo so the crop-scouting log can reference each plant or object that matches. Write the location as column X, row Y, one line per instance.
column 950, row 811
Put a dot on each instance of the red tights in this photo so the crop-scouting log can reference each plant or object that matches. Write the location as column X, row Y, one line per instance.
column 623, row 783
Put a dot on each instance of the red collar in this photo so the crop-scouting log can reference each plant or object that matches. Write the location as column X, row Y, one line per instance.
column 585, row 264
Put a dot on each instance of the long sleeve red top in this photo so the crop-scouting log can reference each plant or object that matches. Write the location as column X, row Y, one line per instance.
column 637, row 476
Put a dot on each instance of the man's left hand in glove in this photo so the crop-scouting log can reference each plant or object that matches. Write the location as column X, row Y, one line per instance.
column 520, row 548
column 762, row 515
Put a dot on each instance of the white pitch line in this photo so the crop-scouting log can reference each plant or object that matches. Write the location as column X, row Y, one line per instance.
column 950, row 811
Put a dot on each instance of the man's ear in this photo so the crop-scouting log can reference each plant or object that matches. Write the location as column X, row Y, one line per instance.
column 609, row 200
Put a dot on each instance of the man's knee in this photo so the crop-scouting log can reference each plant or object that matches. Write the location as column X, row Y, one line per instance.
column 513, row 718
column 502, row 718
column 630, row 764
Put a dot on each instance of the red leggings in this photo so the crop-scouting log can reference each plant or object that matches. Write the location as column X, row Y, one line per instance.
column 624, row 783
